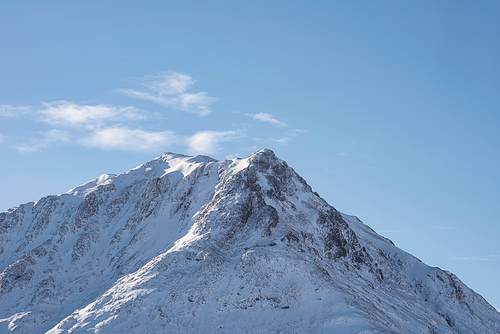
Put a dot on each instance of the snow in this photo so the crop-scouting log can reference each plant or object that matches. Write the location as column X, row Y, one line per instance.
column 191, row 244
column 103, row 179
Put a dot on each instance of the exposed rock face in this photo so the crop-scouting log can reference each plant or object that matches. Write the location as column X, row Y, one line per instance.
column 191, row 244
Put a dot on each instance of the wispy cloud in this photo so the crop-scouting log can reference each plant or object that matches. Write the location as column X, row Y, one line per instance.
column 268, row 118
column 207, row 142
column 133, row 140
column 46, row 140
column 109, row 127
column 283, row 141
column 69, row 114
column 329, row 170
column 98, row 126
column 290, row 135
column 169, row 89
column 13, row 111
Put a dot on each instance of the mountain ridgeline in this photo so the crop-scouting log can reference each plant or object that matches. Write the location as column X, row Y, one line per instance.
column 195, row 245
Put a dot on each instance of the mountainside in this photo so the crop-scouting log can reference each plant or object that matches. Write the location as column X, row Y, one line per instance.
column 191, row 244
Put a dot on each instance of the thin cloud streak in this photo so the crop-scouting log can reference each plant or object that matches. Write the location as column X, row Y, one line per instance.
column 268, row 118
column 47, row 140
column 169, row 90
column 109, row 127
column 7, row 110
column 69, row 114
column 283, row 141
column 289, row 136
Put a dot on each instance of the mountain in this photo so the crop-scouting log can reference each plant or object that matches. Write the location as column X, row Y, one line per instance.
column 196, row 245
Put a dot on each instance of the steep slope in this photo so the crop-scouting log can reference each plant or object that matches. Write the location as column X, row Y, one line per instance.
column 191, row 244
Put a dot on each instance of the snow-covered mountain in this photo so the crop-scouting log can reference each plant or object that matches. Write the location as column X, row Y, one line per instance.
column 191, row 244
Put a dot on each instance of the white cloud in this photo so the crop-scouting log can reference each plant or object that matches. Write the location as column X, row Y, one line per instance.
column 132, row 114
column 169, row 89
column 109, row 127
column 13, row 111
column 290, row 135
column 283, row 141
column 207, row 142
column 268, row 118
column 169, row 83
column 47, row 140
column 64, row 113
column 133, row 140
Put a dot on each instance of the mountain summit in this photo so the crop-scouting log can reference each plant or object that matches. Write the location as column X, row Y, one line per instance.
column 196, row 245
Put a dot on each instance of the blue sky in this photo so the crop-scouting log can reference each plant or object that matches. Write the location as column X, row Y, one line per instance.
column 389, row 109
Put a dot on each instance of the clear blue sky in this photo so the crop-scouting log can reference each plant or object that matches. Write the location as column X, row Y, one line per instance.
column 389, row 109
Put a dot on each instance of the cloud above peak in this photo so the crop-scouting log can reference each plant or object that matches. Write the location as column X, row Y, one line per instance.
column 44, row 141
column 169, row 89
column 117, row 128
column 207, row 142
column 69, row 114
column 132, row 140
column 265, row 117
column 109, row 128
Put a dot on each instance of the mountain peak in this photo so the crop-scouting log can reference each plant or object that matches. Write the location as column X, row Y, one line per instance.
column 198, row 158
column 192, row 244
column 264, row 154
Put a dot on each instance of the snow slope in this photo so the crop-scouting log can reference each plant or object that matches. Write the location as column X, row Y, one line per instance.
column 191, row 244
